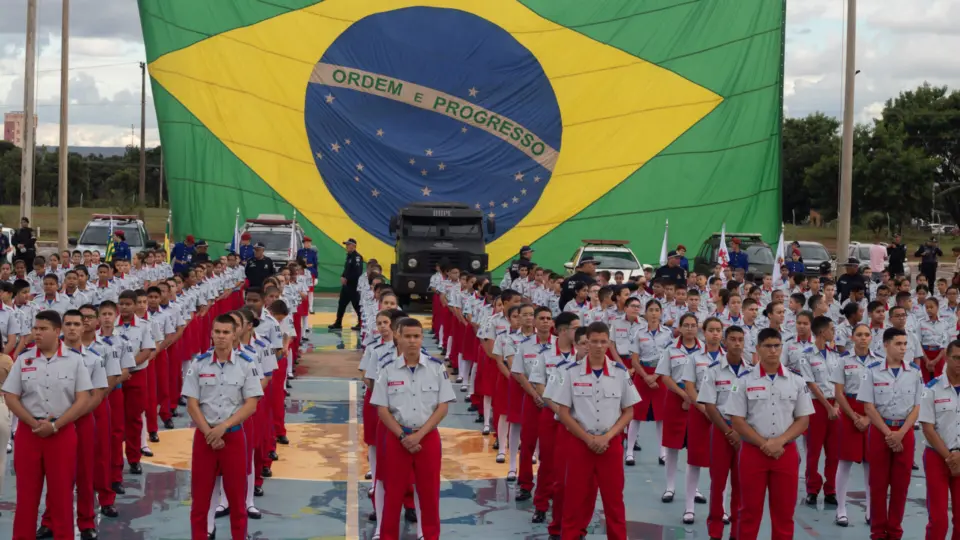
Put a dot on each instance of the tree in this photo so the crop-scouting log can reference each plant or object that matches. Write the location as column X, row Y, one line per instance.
column 806, row 142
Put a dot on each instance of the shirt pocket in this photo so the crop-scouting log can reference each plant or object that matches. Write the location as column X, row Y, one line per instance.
column 67, row 380
column 430, row 387
column 882, row 395
column 944, row 405
column 758, row 393
column 29, row 380
column 583, row 390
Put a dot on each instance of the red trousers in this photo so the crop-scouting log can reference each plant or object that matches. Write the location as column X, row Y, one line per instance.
column 229, row 463
column 118, row 423
column 938, row 370
column 162, row 371
column 889, row 475
column 546, row 474
column 759, row 474
column 279, row 382
column 86, row 433
column 134, row 402
column 150, row 405
column 264, row 432
column 941, row 485
column 175, row 372
column 588, row 471
column 723, row 462
column 821, row 436
column 529, row 430
column 102, row 450
column 53, row 460
column 396, row 480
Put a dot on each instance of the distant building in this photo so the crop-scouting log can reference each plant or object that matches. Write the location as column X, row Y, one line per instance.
column 13, row 124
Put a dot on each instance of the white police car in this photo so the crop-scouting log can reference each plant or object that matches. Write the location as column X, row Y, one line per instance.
column 611, row 255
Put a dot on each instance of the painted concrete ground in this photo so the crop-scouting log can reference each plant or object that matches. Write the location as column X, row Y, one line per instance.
column 318, row 490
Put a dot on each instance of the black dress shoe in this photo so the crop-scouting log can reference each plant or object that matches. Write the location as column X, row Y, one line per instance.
column 553, row 537
column 472, row 408
column 182, row 401
column 168, row 424
column 636, row 447
column 811, row 499
column 154, row 437
column 368, row 476
column 258, row 491
column 523, row 495
column 372, row 516
column 44, row 532
column 146, row 452
column 213, row 535
column 662, row 461
column 539, row 517
column 355, row 328
column 266, row 472
column 496, row 443
column 253, row 513
column 117, row 488
column 110, row 511
column 287, row 384
column 830, row 498
column 222, row 513
column 410, row 514
column 478, row 419
column 273, row 455
column 88, row 534
column 335, row 326
column 136, row 468
column 282, row 439
column 174, row 413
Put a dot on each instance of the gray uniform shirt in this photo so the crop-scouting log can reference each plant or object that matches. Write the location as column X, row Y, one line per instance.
column 894, row 396
column 596, row 402
column 47, row 388
column 940, row 406
column 412, row 395
column 769, row 406
column 139, row 336
column 717, row 382
column 222, row 388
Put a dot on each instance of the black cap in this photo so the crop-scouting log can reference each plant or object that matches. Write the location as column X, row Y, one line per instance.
column 350, row 241
column 526, row 249
column 672, row 254
column 852, row 262
column 201, row 243
column 259, row 245
column 587, row 260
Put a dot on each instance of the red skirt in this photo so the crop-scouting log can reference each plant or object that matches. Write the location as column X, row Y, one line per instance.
column 486, row 382
column 674, row 421
column 938, row 371
column 501, row 397
column 698, row 438
column 649, row 398
column 370, row 420
column 516, row 397
column 851, row 441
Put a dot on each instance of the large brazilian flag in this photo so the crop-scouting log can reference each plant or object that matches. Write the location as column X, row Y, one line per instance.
column 561, row 119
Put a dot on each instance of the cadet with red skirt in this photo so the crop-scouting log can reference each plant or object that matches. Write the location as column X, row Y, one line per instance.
column 222, row 388
column 595, row 404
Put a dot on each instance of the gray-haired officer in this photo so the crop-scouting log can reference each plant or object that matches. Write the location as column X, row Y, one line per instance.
column 48, row 389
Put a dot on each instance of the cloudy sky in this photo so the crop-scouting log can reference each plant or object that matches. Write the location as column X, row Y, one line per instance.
column 900, row 45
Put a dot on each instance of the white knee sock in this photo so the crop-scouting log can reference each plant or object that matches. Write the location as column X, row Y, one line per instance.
column 514, row 445
column 487, row 410
column 416, row 506
column 536, row 451
column 693, row 478
column 663, row 451
column 502, row 432
column 378, row 496
column 223, row 495
column 726, row 494
column 250, row 484
column 372, row 458
column 632, row 432
column 472, row 383
column 13, row 424
column 143, row 433
column 843, row 479
column 671, row 466
column 866, row 484
column 465, row 367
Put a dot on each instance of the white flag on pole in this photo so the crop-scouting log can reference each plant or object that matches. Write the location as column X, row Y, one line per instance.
column 779, row 258
column 722, row 253
column 292, row 250
column 235, row 247
column 663, row 248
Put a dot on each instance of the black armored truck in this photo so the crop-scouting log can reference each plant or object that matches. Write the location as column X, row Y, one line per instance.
column 427, row 234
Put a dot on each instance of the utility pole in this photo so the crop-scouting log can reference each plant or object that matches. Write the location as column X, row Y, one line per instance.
column 143, row 125
column 160, row 202
column 846, row 151
column 29, row 127
column 64, row 117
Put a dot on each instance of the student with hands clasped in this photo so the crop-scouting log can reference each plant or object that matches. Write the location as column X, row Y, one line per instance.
column 940, row 418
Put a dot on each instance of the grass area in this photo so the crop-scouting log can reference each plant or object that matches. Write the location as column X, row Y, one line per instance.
column 828, row 237
column 45, row 219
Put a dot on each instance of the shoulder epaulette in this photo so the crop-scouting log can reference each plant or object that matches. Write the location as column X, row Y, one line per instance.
column 75, row 350
column 526, row 339
column 107, row 340
column 914, row 365
column 933, row 382
column 203, row 356
column 844, row 354
column 260, row 343
column 794, row 371
column 93, row 350
column 123, row 337
column 435, row 359
column 620, row 366
column 249, row 348
column 715, row 363
column 743, row 373
column 572, row 365
column 382, row 344
column 385, row 359
column 562, row 363
column 245, row 357
column 873, row 365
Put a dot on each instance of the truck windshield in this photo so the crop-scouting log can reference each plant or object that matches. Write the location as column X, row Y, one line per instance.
column 97, row 235
column 418, row 227
column 273, row 240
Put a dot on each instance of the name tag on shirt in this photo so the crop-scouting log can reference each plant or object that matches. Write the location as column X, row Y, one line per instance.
column 881, row 384
column 395, row 383
column 205, row 375
column 27, row 369
column 585, row 384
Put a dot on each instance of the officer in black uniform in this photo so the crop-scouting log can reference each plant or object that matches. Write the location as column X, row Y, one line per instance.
column 850, row 277
column 672, row 271
column 352, row 270
column 526, row 253
column 201, row 254
column 586, row 268
column 259, row 268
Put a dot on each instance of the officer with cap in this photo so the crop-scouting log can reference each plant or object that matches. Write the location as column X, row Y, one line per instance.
column 682, row 253
column 769, row 407
column 672, row 271
column 595, row 403
column 48, row 388
column 526, row 252
column 121, row 250
column 736, row 257
column 201, row 256
column 849, row 279
column 411, row 393
column 940, row 418
column 182, row 254
column 222, row 388
column 245, row 251
column 308, row 254
column 259, row 268
column 890, row 392
column 586, row 269
column 352, row 270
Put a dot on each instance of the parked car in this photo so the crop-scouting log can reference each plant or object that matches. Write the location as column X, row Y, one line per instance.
column 274, row 231
column 96, row 233
column 861, row 252
column 611, row 255
column 814, row 254
column 759, row 254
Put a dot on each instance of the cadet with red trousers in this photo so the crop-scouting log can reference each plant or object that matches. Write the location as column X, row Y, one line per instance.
column 595, row 404
column 46, row 442
column 218, row 406
column 940, row 418
column 769, row 407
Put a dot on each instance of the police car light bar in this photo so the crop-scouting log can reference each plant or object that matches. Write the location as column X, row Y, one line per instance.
column 606, row 242
column 114, row 217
